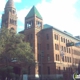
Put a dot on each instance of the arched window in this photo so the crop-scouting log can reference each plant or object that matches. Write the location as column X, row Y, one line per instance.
column 12, row 28
column 13, row 12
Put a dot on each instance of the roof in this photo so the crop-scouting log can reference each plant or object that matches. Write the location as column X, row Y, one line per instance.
column 33, row 12
column 10, row 3
column 46, row 26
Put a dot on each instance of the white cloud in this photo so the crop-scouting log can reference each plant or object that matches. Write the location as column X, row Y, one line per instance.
column 59, row 13
column 20, row 28
column 22, row 14
column 0, row 16
column 2, row 4
column 17, row 1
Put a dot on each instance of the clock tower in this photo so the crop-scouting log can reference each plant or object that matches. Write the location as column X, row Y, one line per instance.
column 9, row 18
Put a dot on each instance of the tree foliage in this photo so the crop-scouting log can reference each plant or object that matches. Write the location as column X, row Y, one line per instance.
column 13, row 46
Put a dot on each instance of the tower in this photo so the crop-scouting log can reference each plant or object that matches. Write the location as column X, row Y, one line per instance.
column 33, row 26
column 9, row 18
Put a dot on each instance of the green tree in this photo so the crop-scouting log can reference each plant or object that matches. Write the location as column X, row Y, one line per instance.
column 13, row 46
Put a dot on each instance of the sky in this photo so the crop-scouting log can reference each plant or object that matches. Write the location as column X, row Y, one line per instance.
column 62, row 14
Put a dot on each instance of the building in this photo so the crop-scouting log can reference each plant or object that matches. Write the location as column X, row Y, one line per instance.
column 9, row 17
column 50, row 42
column 53, row 59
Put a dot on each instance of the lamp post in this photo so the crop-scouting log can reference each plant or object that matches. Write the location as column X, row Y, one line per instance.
column 41, row 56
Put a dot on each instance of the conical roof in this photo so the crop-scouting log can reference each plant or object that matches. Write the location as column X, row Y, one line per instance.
column 33, row 12
column 10, row 3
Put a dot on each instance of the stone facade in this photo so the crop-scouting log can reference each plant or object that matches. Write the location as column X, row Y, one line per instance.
column 9, row 18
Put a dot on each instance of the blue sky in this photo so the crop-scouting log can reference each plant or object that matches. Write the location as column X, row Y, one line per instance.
column 62, row 14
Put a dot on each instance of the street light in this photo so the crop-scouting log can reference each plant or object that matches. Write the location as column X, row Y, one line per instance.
column 41, row 56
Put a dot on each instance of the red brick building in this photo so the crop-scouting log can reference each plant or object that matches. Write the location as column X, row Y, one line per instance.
column 9, row 17
column 47, row 42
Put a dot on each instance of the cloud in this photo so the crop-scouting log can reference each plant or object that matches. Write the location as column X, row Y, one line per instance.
column 0, row 16
column 22, row 14
column 59, row 13
column 17, row 1
column 21, row 27
column 2, row 3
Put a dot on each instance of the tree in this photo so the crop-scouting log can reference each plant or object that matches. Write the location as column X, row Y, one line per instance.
column 13, row 46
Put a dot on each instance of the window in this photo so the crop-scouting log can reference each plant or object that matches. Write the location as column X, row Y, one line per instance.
column 39, row 69
column 69, row 50
column 27, row 37
column 70, row 59
column 10, row 20
column 57, row 57
column 64, row 40
column 39, row 46
column 61, row 39
column 47, row 36
column 31, row 36
column 64, row 49
column 29, row 70
column 29, row 24
column 56, row 46
column 12, row 29
column 57, row 37
column 38, row 23
column 65, row 59
column 47, row 46
column 13, row 12
column 48, row 58
column 48, row 69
